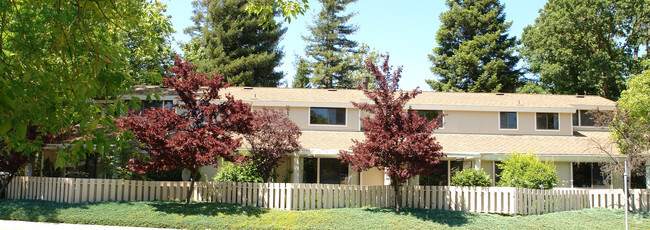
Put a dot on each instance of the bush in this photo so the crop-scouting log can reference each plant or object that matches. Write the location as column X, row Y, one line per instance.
column 240, row 172
column 471, row 177
column 527, row 171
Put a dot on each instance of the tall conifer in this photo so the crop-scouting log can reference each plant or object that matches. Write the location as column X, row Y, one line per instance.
column 475, row 53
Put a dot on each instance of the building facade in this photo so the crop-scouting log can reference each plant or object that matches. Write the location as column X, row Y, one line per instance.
column 479, row 130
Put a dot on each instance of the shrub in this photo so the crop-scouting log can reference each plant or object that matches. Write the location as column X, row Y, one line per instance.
column 239, row 172
column 471, row 177
column 527, row 171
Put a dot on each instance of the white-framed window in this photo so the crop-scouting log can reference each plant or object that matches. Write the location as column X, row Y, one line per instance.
column 432, row 114
column 508, row 120
column 547, row 121
column 325, row 171
column 327, row 116
column 583, row 118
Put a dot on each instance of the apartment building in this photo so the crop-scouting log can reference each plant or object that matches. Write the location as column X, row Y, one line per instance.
column 479, row 130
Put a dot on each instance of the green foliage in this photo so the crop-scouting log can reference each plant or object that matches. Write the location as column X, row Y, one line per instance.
column 533, row 87
column 175, row 215
column 329, row 52
column 475, row 52
column 527, row 171
column 239, row 172
column 471, row 177
column 56, row 55
column 636, row 98
column 587, row 46
column 230, row 41
column 287, row 8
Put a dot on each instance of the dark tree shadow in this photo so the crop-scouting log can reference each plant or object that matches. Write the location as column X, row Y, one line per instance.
column 34, row 210
column 446, row 217
column 206, row 209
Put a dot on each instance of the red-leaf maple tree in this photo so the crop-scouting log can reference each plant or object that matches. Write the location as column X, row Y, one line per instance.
column 396, row 141
column 196, row 137
column 274, row 137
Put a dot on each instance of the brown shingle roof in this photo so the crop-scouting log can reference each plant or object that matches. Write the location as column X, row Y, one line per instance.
column 344, row 96
column 584, row 143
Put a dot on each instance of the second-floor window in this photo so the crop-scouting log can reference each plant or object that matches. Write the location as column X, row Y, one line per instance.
column 431, row 114
column 327, row 116
column 548, row 121
column 508, row 120
column 583, row 118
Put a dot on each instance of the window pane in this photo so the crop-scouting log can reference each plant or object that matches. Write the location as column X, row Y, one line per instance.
column 575, row 119
column 309, row 168
column 508, row 120
column 438, row 177
column 597, row 177
column 497, row 171
column 327, row 116
column 553, row 121
column 547, row 121
column 430, row 114
column 586, row 118
column 332, row 171
column 169, row 104
column 541, row 121
column 581, row 175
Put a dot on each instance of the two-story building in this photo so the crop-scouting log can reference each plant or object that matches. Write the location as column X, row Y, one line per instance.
column 479, row 130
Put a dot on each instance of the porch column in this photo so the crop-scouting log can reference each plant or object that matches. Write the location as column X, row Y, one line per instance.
column 296, row 165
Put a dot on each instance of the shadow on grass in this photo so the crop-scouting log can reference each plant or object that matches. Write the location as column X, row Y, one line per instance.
column 446, row 217
column 206, row 209
column 33, row 210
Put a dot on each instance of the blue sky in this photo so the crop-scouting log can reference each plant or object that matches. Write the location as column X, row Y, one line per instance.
column 404, row 29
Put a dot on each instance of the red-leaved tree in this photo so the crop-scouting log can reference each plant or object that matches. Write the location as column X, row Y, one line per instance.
column 200, row 135
column 274, row 137
column 397, row 141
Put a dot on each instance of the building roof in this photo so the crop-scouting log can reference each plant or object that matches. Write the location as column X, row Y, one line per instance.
column 582, row 143
column 265, row 96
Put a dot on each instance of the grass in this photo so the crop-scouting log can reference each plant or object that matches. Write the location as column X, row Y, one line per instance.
column 173, row 214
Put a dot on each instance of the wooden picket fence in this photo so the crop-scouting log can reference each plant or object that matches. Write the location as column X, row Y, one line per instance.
column 503, row 200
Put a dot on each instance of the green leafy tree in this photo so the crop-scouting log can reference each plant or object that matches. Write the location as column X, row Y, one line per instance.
column 475, row 52
column 533, row 87
column 230, row 41
column 527, row 171
column 287, row 8
column 588, row 47
column 329, row 52
column 301, row 79
column 471, row 177
column 55, row 56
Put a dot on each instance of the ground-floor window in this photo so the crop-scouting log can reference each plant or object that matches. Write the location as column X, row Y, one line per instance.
column 638, row 179
column 587, row 175
column 331, row 171
column 442, row 173
column 497, row 172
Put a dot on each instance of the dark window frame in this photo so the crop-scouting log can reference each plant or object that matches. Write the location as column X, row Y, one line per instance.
column 427, row 114
column 546, row 122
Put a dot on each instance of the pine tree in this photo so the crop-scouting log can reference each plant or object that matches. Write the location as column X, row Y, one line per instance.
column 328, row 50
column 234, row 43
column 475, row 53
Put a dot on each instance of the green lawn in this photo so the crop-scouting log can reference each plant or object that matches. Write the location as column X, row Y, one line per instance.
column 170, row 214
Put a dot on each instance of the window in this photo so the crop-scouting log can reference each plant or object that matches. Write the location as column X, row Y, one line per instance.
column 583, row 118
column 508, row 120
column 497, row 171
column 154, row 104
column 332, row 171
column 327, row 116
column 548, row 121
column 587, row 175
column 431, row 114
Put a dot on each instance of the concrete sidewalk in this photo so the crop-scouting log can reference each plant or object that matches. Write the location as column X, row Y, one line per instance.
column 20, row 225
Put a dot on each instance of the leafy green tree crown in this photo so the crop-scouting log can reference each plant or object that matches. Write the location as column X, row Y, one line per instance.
column 527, row 171
column 475, row 53
column 471, row 177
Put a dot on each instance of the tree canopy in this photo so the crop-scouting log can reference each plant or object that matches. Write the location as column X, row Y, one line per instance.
column 397, row 141
column 231, row 41
column 588, row 47
column 329, row 52
column 475, row 52
column 198, row 136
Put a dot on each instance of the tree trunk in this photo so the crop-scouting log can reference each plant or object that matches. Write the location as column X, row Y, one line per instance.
column 193, row 177
column 5, row 184
column 398, row 194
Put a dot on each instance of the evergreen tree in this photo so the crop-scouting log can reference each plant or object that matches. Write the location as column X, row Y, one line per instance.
column 475, row 53
column 328, row 50
column 301, row 80
column 234, row 43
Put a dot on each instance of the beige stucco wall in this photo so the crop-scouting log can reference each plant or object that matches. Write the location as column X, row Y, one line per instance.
column 563, row 170
column 300, row 115
column 478, row 122
column 372, row 176
column 487, row 167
